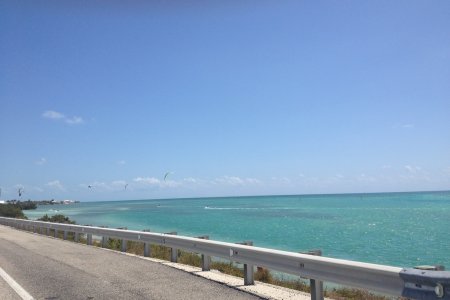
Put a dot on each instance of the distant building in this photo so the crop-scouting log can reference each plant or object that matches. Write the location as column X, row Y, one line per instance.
column 2, row 201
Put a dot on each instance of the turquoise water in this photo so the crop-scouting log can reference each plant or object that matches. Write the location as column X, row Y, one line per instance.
column 400, row 229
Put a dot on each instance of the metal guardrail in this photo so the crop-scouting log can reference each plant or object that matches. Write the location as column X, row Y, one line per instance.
column 407, row 282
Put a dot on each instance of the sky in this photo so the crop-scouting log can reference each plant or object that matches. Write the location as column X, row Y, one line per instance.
column 230, row 97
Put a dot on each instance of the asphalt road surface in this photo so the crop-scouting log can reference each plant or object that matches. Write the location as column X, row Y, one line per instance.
column 54, row 269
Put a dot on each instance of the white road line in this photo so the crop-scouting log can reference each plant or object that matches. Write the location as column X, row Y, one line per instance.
column 15, row 286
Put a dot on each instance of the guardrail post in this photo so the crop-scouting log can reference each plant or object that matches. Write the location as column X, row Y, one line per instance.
column 173, row 251
column 104, row 239
column 248, row 268
column 47, row 231
column 147, row 246
column 34, row 229
column 206, row 259
column 89, row 239
column 56, row 233
column 65, row 235
column 316, row 286
column 147, row 251
column 76, row 237
column 123, row 247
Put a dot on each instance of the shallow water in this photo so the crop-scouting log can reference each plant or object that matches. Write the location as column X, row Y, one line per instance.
column 401, row 229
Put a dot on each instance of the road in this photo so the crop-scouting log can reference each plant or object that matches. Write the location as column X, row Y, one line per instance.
column 49, row 268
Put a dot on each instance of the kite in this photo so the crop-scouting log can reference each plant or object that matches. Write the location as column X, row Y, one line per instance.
column 167, row 174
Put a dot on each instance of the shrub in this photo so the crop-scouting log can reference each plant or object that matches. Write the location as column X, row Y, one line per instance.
column 11, row 211
column 56, row 219
column 26, row 204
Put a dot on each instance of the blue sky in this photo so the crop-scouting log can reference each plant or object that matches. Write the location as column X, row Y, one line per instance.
column 231, row 97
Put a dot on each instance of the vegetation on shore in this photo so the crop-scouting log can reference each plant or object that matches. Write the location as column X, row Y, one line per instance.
column 56, row 219
column 24, row 205
column 15, row 209
column 32, row 204
column 11, row 211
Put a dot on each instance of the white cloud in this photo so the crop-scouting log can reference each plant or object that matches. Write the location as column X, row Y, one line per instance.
column 54, row 115
column 155, row 182
column 120, row 184
column 115, row 185
column 236, row 181
column 413, row 169
column 252, row 181
column 283, row 180
column 39, row 189
column 405, row 126
column 51, row 114
column 147, row 180
column 74, row 120
column 56, row 184
column 41, row 161
column 365, row 178
column 191, row 180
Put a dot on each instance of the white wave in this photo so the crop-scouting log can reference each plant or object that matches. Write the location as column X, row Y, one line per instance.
column 123, row 208
column 235, row 208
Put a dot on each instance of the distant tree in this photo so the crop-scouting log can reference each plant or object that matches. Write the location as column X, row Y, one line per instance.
column 11, row 211
column 26, row 204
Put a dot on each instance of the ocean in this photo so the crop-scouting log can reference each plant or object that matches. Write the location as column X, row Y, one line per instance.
column 399, row 229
